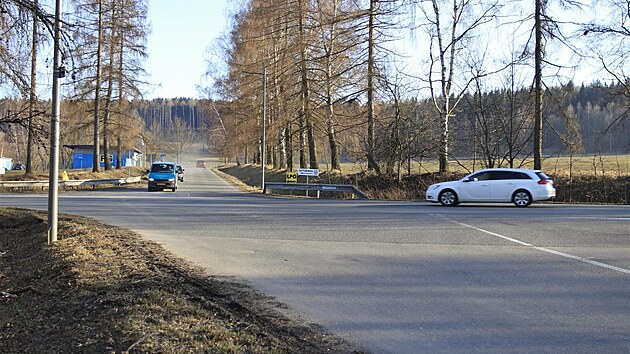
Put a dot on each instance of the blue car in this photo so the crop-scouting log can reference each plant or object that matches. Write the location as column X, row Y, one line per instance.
column 163, row 175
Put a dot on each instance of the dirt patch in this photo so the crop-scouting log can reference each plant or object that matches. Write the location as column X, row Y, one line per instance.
column 105, row 289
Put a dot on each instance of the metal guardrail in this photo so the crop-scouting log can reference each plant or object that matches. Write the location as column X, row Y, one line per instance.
column 70, row 183
column 344, row 188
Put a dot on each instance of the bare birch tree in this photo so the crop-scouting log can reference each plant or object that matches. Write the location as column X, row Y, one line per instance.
column 450, row 24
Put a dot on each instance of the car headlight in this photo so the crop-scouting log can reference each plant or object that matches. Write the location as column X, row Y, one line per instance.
column 171, row 179
column 434, row 186
column 151, row 179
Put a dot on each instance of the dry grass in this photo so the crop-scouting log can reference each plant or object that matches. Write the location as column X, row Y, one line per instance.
column 102, row 289
column 608, row 186
column 606, row 165
column 248, row 175
column 73, row 174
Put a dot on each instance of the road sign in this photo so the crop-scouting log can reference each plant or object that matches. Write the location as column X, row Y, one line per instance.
column 291, row 177
column 310, row 172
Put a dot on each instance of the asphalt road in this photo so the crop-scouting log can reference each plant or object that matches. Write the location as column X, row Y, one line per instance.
column 399, row 277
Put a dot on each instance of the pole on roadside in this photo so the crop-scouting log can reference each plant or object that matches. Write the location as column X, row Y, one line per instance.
column 264, row 122
column 53, row 178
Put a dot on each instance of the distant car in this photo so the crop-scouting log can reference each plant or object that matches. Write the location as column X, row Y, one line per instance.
column 180, row 173
column 163, row 175
column 18, row 167
column 201, row 164
column 519, row 186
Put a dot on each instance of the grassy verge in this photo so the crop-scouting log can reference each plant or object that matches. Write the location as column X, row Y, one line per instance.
column 73, row 174
column 104, row 289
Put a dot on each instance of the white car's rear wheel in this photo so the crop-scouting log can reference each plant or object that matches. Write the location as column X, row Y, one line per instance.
column 522, row 198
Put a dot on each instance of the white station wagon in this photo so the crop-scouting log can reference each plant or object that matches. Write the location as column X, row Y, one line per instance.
column 519, row 186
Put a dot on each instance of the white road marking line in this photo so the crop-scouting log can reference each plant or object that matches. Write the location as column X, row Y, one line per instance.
column 543, row 249
column 598, row 218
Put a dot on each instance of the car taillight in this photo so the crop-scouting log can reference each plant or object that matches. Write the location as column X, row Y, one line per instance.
column 543, row 181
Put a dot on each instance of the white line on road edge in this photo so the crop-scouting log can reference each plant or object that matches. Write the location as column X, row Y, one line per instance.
column 562, row 254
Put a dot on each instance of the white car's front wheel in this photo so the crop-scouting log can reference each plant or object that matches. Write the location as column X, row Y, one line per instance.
column 448, row 197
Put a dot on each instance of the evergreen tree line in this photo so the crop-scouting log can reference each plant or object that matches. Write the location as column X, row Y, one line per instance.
column 590, row 119
column 162, row 114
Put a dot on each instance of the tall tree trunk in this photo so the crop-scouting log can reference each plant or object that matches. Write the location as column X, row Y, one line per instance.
column 302, row 142
column 538, row 110
column 119, row 152
column 446, row 79
column 119, row 129
column 306, row 111
column 512, row 115
column 110, row 92
column 96, row 156
column 332, row 140
column 372, row 165
column 289, row 142
column 106, row 115
column 330, row 121
column 31, row 103
column 282, row 149
column 396, row 136
column 259, row 152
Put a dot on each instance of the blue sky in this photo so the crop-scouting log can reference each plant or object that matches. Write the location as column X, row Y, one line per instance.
column 181, row 32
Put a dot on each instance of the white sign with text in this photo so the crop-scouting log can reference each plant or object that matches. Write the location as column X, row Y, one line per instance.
column 311, row 172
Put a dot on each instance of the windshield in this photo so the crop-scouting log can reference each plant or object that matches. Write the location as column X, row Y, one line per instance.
column 161, row 167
